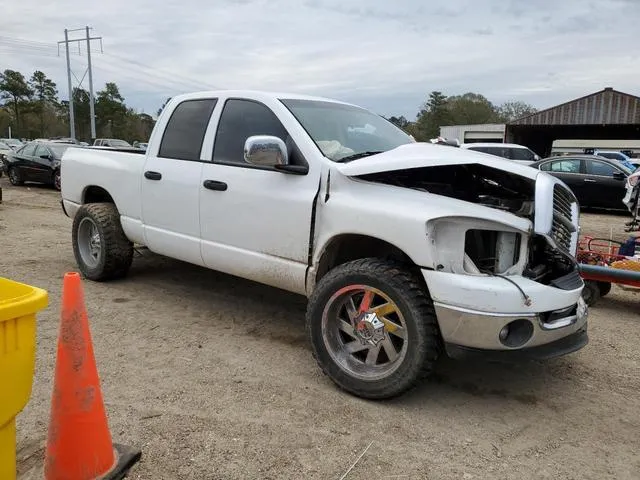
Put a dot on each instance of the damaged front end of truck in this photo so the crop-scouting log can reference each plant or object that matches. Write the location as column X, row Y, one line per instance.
column 502, row 237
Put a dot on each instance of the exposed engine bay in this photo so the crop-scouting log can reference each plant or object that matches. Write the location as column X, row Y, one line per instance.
column 473, row 183
column 551, row 267
column 490, row 252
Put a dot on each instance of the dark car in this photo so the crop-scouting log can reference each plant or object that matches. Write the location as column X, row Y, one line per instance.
column 596, row 182
column 36, row 162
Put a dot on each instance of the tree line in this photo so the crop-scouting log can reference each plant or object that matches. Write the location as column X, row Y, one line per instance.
column 31, row 107
column 467, row 109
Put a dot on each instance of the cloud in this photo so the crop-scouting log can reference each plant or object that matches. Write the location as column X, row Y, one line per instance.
column 384, row 55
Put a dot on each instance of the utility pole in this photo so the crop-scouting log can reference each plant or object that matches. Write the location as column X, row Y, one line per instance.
column 72, row 122
column 92, row 113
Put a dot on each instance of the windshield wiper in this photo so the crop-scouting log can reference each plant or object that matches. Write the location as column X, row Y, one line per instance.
column 356, row 156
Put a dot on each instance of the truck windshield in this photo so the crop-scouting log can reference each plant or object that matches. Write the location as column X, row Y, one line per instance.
column 344, row 131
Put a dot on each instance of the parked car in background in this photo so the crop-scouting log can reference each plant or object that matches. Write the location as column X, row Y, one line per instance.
column 631, row 163
column 511, row 151
column 596, row 182
column 4, row 151
column 37, row 161
column 111, row 143
column 632, row 186
column 65, row 140
column 140, row 145
column 14, row 143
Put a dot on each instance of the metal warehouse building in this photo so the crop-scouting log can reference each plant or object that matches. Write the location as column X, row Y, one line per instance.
column 486, row 132
column 604, row 115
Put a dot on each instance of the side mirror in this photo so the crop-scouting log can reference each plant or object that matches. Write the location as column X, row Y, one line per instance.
column 46, row 157
column 619, row 176
column 536, row 157
column 265, row 151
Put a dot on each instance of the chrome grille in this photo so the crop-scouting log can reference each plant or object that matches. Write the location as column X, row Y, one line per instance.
column 562, row 226
column 562, row 201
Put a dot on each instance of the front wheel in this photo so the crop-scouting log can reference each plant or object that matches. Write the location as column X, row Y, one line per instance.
column 372, row 328
column 102, row 250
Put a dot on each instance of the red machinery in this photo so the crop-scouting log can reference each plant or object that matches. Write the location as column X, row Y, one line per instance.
column 601, row 265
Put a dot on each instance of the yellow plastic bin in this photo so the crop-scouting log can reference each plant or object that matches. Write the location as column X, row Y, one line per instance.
column 19, row 304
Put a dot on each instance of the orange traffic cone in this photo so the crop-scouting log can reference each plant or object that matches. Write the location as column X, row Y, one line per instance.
column 79, row 442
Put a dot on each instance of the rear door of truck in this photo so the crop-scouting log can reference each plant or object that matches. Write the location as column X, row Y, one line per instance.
column 171, row 182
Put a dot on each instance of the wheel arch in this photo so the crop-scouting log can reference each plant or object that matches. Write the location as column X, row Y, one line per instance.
column 346, row 247
column 96, row 194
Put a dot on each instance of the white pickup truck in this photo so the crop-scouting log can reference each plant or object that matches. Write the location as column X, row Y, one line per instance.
column 405, row 250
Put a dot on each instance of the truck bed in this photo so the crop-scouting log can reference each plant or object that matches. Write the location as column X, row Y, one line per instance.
column 111, row 169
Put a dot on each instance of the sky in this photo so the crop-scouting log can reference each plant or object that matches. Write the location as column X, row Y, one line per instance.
column 381, row 54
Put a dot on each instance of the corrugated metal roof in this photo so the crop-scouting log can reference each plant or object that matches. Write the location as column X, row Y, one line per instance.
column 607, row 106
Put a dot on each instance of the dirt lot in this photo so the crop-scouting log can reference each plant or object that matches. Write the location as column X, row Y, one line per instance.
column 211, row 377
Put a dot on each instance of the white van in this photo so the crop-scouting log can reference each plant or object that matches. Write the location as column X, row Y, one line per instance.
column 510, row 151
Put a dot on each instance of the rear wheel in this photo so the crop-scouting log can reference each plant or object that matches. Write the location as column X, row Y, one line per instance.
column 102, row 250
column 15, row 177
column 372, row 328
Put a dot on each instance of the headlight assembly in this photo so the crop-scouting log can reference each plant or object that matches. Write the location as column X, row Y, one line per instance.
column 477, row 247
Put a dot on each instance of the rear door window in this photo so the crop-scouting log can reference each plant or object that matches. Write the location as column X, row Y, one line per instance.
column 184, row 134
column 566, row 166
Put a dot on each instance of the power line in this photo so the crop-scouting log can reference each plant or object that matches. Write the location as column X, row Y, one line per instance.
column 109, row 62
column 145, row 77
column 108, row 66
column 166, row 73
column 23, row 52
column 155, row 71
column 25, row 41
column 141, row 79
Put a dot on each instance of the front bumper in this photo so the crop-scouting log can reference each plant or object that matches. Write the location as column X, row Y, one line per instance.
column 564, row 346
column 473, row 310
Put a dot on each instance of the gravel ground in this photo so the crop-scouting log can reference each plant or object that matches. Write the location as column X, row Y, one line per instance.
column 212, row 378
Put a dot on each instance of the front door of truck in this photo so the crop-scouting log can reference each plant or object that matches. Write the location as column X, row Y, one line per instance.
column 170, row 183
column 255, row 221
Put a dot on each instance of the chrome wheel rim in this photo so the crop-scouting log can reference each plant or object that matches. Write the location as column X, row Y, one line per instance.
column 89, row 244
column 13, row 176
column 364, row 332
column 56, row 180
